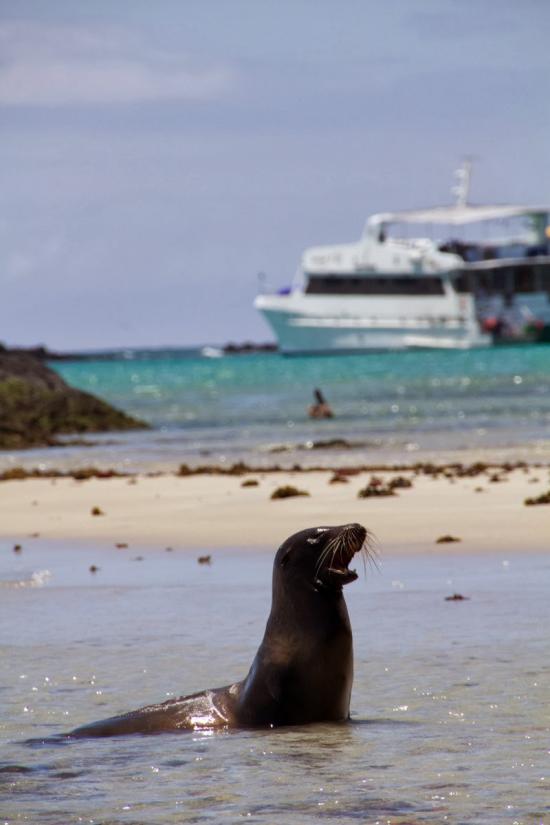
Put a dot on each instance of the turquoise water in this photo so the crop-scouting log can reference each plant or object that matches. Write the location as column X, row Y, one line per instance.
column 394, row 404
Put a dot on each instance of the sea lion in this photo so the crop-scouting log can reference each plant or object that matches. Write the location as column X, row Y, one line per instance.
column 303, row 669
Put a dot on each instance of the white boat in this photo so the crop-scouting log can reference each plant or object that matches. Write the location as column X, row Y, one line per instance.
column 476, row 275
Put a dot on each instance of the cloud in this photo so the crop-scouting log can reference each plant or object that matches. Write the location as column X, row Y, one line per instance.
column 45, row 65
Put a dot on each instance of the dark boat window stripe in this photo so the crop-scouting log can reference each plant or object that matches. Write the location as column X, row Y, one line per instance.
column 369, row 285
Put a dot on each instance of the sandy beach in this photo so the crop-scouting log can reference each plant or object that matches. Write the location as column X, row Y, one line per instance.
column 213, row 511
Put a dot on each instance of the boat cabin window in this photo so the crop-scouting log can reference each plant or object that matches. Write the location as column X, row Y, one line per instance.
column 505, row 280
column 369, row 285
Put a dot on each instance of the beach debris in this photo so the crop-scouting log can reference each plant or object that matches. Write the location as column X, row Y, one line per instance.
column 14, row 474
column 320, row 408
column 447, row 539
column 240, row 468
column 375, row 489
column 280, row 448
column 250, row 482
column 544, row 498
column 339, row 478
column 288, row 491
column 475, row 469
column 496, row 478
column 79, row 474
column 349, row 471
column 333, row 444
column 84, row 473
column 121, row 545
column 457, row 597
column 97, row 511
column 237, row 469
column 17, row 548
column 399, row 483
column 479, row 490
column 93, row 568
column 204, row 559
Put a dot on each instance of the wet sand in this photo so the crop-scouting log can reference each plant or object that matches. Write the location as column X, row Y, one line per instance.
column 207, row 511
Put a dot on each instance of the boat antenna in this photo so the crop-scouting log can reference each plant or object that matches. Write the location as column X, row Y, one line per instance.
column 461, row 189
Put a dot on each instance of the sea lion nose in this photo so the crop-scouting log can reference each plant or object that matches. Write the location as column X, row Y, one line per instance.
column 355, row 527
column 357, row 531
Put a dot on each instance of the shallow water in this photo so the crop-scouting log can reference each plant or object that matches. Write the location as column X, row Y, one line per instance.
column 394, row 406
column 450, row 700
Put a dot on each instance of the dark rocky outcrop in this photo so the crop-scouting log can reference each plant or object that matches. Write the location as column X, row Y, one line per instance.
column 37, row 405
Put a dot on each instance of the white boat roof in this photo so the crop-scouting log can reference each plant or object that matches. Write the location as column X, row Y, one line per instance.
column 456, row 215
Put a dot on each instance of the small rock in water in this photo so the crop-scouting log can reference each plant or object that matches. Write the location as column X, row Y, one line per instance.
column 121, row 545
column 447, row 539
column 17, row 548
column 94, row 568
column 457, row 597
column 204, row 559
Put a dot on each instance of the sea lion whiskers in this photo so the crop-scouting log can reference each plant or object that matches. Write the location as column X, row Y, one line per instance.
column 331, row 547
column 369, row 551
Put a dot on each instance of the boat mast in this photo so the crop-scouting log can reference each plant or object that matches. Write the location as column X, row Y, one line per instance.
column 461, row 189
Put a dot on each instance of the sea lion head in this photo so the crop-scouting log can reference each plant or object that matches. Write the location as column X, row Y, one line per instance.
column 320, row 556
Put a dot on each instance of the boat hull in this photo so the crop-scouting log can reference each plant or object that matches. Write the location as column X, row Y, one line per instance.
column 301, row 334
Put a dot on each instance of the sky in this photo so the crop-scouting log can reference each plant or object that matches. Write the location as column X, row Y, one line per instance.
column 156, row 156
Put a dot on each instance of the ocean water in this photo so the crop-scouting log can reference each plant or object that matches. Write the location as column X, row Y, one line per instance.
column 450, row 702
column 391, row 406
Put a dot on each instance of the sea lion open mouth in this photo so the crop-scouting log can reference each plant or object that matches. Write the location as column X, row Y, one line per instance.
column 341, row 546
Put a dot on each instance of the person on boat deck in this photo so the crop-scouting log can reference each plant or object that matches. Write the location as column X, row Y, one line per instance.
column 320, row 409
